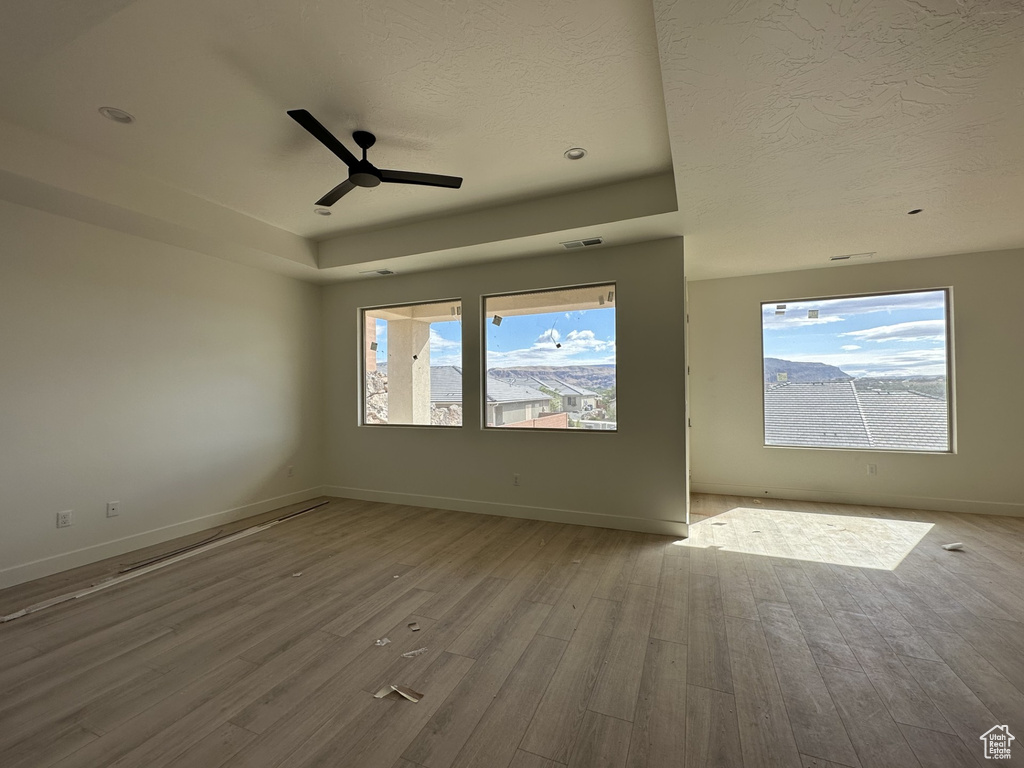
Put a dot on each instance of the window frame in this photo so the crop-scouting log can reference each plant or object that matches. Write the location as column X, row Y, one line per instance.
column 611, row 285
column 951, row 430
column 361, row 397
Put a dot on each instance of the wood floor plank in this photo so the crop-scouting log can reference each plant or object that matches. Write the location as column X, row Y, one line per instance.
column 647, row 570
column 991, row 687
column 215, row 749
column 712, row 732
column 556, row 723
column 902, row 695
column 501, row 729
column 382, row 744
column 940, row 750
column 765, row 733
column 708, row 663
column 671, row 614
column 568, row 609
column 965, row 713
column 603, row 742
column 527, row 760
column 875, row 736
column 737, row 596
column 659, row 725
column 615, row 693
column 444, row 736
column 816, row 725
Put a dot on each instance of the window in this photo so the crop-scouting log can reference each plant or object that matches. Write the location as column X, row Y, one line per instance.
column 864, row 372
column 412, row 364
column 550, row 359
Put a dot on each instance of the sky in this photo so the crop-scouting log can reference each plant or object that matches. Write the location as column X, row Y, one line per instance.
column 892, row 335
column 587, row 337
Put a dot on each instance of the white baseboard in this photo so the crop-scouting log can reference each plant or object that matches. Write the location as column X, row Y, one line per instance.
column 17, row 574
column 867, row 499
column 570, row 516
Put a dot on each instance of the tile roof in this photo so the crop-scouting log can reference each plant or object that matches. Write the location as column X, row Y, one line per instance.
column 499, row 391
column 559, row 386
column 446, row 387
column 445, row 384
column 834, row 414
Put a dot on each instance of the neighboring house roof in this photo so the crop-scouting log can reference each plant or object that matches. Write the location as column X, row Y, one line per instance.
column 446, row 387
column 445, row 384
column 835, row 414
column 560, row 387
column 499, row 391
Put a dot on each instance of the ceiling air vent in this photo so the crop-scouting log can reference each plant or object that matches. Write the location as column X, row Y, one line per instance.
column 573, row 244
column 376, row 272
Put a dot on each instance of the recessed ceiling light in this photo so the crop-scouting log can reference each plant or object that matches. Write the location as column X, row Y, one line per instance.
column 322, row 211
column 117, row 115
column 916, row 210
column 575, row 153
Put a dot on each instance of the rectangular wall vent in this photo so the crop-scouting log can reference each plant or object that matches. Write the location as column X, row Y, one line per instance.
column 572, row 244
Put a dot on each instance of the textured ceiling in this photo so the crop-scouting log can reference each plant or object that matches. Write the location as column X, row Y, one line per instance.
column 795, row 129
column 492, row 91
column 802, row 130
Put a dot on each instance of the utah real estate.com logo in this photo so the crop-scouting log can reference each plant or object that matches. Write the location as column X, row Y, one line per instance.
column 997, row 742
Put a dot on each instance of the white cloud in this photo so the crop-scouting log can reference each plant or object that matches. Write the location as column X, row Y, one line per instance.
column 444, row 351
column 577, row 348
column 849, row 347
column 917, row 330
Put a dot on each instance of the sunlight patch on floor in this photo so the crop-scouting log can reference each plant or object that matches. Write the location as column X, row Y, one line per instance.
column 864, row 542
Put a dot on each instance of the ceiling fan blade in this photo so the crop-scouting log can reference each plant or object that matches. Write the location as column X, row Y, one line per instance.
column 426, row 179
column 336, row 194
column 321, row 134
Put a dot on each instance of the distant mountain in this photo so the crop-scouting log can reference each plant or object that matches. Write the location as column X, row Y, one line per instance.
column 586, row 376
column 802, row 372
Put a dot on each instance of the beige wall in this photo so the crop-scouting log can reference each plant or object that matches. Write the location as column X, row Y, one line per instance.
column 633, row 478
column 984, row 475
column 176, row 383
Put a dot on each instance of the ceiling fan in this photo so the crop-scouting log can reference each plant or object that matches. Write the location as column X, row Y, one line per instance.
column 363, row 173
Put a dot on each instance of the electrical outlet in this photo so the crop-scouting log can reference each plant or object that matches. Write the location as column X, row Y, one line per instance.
column 872, row 469
column 515, row 479
column 291, row 471
column 113, row 508
column 64, row 519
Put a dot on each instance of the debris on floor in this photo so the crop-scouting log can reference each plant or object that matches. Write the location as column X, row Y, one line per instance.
column 382, row 642
column 576, row 562
column 411, row 654
column 954, row 547
column 414, row 626
column 402, row 690
column 408, row 693
column 718, row 523
column 296, row 574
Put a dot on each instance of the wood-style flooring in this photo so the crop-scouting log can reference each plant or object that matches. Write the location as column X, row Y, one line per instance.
column 778, row 634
